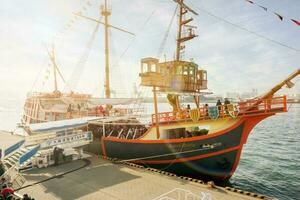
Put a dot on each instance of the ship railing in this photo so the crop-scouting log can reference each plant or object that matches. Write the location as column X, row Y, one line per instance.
column 250, row 107
column 127, row 133
column 117, row 112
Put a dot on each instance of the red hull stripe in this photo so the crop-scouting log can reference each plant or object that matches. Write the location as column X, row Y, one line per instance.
column 103, row 147
column 179, row 160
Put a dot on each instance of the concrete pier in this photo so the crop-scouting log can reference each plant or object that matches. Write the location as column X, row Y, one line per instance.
column 102, row 179
column 97, row 178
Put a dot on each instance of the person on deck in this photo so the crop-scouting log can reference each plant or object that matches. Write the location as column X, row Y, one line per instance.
column 206, row 109
column 69, row 111
column 101, row 110
column 226, row 102
column 188, row 107
column 219, row 104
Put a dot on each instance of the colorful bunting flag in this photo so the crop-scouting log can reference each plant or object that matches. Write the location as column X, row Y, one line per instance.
column 266, row 9
column 296, row 22
column 250, row 1
column 279, row 16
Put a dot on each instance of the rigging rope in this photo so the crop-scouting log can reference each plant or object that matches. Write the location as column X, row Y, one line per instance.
column 247, row 30
column 133, row 40
column 77, row 72
column 166, row 154
column 162, row 46
column 38, row 75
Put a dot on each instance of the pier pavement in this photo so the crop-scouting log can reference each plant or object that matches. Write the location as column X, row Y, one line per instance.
column 101, row 179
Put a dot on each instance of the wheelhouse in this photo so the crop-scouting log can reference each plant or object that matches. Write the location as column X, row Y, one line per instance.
column 177, row 76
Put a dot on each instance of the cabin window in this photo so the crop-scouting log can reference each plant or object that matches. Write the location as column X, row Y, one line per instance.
column 185, row 70
column 145, row 68
column 179, row 70
column 204, row 75
column 153, row 68
column 192, row 70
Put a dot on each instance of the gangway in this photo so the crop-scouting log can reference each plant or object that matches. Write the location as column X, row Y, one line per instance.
column 20, row 156
column 14, row 158
column 38, row 149
column 67, row 135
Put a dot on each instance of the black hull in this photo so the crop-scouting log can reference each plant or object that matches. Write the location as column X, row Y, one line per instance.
column 214, row 157
column 218, row 168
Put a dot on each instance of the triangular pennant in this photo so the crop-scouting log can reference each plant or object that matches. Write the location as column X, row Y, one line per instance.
column 296, row 22
column 279, row 16
column 289, row 84
column 250, row 1
column 265, row 9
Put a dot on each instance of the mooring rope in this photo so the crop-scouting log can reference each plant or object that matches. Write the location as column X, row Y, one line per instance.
column 86, row 163
column 167, row 154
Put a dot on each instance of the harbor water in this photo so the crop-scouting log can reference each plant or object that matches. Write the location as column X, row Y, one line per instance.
column 270, row 162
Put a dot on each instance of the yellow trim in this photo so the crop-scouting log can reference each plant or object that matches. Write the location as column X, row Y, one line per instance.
column 214, row 126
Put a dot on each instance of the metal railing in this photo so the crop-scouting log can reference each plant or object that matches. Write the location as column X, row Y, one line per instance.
column 250, row 107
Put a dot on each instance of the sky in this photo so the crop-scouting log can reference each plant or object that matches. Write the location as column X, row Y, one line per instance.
column 227, row 46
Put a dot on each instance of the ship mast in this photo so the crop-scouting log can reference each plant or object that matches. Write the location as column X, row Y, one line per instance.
column 56, row 70
column 183, row 37
column 105, row 12
column 182, row 23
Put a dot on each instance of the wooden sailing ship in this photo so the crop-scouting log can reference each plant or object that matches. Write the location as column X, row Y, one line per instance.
column 52, row 106
column 203, row 142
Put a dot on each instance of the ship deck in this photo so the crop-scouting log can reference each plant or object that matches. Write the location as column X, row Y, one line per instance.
column 101, row 179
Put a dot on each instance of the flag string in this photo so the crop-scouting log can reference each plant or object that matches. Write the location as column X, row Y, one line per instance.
column 280, row 17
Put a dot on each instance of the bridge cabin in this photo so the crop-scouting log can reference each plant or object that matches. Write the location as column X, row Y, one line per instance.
column 173, row 76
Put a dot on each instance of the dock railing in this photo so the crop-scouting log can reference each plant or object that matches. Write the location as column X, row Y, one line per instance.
column 247, row 108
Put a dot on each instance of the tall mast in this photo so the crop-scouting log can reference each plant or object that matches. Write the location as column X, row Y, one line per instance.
column 51, row 55
column 105, row 13
column 181, row 38
column 54, row 69
column 178, row 46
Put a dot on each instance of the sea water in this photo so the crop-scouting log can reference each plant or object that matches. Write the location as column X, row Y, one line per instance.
column 270, row 161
